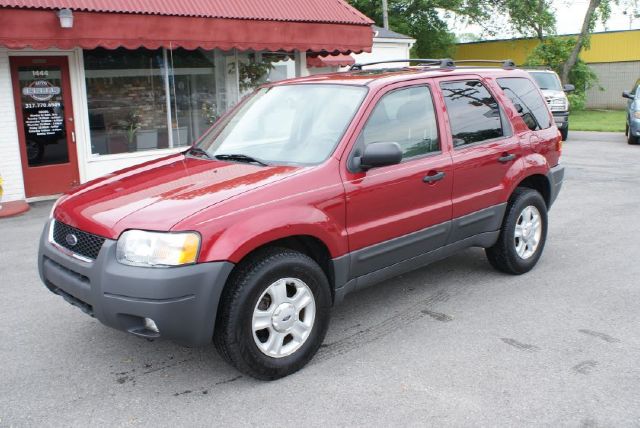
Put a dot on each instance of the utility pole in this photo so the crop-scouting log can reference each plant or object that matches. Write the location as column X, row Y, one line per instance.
column 385, row 14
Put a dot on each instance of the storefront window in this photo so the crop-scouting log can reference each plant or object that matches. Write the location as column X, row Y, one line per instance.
column 154, row 99
column 198, row 92
column 126, row 96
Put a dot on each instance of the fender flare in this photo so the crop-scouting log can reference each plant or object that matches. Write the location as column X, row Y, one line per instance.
column 237, row 240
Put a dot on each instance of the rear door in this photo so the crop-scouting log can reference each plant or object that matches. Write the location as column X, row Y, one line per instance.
column 399, row 211
column 530, row 104
column 484, row 149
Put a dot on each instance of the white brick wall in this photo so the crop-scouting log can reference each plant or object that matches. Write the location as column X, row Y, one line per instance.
column 10, row 166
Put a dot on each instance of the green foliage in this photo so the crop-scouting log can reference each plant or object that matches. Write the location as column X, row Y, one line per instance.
column 530, row 17
column 423, row 20
column 553, row 53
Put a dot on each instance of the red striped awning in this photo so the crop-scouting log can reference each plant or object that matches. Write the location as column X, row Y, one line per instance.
column 330, row 26
column 339, row 60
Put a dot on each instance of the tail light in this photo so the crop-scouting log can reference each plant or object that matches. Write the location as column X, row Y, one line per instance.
column 559, row 143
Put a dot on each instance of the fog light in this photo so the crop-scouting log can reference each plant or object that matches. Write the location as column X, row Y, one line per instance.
column 150, row 324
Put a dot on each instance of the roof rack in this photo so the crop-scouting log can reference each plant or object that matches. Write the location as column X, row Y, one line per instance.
column 507, row 64
column 442, row 62
column 446, row 63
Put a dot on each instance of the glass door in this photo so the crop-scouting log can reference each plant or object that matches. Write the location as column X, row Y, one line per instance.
column 45, row 124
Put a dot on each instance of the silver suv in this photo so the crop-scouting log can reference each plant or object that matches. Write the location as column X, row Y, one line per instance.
column 556, row 95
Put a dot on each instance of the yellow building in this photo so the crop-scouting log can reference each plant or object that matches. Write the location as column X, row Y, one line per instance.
column 614, row 56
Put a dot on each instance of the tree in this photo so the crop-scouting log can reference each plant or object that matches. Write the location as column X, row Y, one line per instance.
column 598, row 9
column 530, row 17
column 424, row 21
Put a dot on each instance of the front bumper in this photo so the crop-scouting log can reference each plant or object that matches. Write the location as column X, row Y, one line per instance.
column 556, row 177
column 562, row 119
column 182, row 301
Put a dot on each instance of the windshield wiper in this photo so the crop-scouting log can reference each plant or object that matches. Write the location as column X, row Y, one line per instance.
column 197, row 151
column 238, row 157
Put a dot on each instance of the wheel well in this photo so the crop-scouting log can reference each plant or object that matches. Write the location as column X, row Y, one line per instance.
column 540, row 183
column 308, row 245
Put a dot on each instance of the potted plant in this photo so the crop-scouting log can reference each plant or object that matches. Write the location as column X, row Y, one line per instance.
column 131, row 126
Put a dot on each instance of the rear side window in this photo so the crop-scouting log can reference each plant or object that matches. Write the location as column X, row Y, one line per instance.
column 527, row 100
column 473, row 113
column 407, row 117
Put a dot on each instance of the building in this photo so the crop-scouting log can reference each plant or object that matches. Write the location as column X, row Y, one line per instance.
column 87, row 88
column 387, row 45
column 614, row 56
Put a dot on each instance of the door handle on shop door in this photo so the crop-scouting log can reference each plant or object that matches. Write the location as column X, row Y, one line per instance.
column 433, row 178
column 506, row 157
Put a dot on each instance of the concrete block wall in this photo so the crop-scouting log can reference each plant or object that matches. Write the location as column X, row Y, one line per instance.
column 613, row 78
column 10, row 163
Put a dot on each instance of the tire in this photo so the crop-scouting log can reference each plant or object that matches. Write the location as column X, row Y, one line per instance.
column 504, row 255
column 254, row 296
column 631, row 139
column 564, row 133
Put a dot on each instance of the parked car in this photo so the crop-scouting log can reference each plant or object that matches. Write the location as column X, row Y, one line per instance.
column 556, row 96
column 308, row 190
column 632, row 130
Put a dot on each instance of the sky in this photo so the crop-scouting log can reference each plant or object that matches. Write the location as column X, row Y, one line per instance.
column 569, row 16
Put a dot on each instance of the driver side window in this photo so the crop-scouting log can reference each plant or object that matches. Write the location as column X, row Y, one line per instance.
column 407, row 117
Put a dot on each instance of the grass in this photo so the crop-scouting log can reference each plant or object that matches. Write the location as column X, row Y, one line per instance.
column 597, row 120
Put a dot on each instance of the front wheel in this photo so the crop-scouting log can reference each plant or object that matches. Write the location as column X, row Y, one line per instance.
column 523, row 233
column 274, row 314
column 564, row 133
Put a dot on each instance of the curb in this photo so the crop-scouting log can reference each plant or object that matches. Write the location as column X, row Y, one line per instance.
column 14, row 208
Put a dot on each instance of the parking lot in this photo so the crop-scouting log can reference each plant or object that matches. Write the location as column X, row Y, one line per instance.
column 455, row 343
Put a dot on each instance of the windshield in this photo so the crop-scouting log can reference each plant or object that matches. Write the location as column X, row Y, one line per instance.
column 298, row 124
column 547, row 80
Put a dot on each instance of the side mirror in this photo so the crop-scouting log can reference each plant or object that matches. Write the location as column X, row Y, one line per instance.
column 380, row 154
column 568, row 88
column 627, row 94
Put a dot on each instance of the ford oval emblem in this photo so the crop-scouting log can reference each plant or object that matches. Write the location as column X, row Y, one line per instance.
column 71, row 239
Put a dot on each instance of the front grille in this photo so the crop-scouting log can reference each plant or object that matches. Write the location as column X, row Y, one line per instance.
column 86, row 244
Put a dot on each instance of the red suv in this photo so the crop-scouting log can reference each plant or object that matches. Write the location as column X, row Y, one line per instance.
column 308, row 190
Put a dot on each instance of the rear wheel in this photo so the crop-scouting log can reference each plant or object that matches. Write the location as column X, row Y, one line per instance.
column 523, row 233
column 273, row 314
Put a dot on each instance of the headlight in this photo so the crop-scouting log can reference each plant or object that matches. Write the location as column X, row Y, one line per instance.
column 636, row 114
column 142, row 248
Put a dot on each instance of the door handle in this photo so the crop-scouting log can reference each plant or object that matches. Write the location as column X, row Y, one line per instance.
column 433, row 178
column 506, row 157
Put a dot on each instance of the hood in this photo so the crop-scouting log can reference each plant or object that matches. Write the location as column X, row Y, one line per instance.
column 158, row 194
column 550, row 93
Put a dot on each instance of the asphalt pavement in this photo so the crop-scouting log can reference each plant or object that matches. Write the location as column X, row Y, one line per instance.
column 452, row 344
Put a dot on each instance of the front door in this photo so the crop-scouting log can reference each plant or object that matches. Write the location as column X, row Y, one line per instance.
column 400, row 211
column 45, row 124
